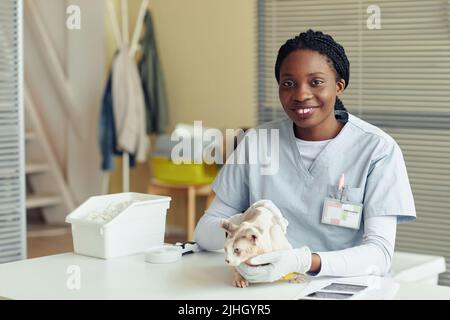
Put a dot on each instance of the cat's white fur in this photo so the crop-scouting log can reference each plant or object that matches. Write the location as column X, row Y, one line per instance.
column 259, row 231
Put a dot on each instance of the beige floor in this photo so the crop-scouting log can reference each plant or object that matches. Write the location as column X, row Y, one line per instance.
column 44, row 241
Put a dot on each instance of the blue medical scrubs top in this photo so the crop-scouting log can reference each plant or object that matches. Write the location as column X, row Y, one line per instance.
column 371, row 160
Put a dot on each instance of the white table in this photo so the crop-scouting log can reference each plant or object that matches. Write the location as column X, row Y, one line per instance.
column 412, row 267
column 202, row 275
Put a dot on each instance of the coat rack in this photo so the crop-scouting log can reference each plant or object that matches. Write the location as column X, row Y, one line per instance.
column 122, row 40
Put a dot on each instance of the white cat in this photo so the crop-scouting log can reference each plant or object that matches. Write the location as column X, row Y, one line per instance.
column 260, row 231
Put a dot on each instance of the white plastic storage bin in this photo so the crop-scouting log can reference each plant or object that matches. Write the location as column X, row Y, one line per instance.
column 138, row 227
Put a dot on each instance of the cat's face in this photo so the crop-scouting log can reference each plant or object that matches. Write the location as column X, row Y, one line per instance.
column 242, row 242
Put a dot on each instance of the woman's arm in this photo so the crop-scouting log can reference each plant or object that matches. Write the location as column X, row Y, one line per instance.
column 208, row 233
column 316, row 264
column 373, row 256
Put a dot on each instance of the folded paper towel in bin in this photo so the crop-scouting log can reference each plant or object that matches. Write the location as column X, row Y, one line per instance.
column 110, row 212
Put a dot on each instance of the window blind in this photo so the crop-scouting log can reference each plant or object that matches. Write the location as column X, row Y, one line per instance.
column 12, row 175
column 399, row 81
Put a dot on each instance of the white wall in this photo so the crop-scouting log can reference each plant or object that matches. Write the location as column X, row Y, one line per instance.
column 208, row 54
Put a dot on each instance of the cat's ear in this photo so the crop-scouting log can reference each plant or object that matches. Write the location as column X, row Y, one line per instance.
column 253, row 235
column 229, row 227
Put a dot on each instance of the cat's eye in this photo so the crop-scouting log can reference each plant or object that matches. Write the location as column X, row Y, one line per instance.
column 237, row 251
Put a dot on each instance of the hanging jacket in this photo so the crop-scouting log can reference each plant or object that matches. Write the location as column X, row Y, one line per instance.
column 129, row 106
column 153, row 81
column 107, row 131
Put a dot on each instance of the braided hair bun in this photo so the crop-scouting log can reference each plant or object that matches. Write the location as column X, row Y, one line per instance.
column 325, row 45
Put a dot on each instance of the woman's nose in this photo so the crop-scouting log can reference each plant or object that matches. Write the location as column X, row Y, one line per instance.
column 302, row 93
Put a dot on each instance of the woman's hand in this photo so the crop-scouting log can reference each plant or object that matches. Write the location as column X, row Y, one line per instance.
column 274, row 265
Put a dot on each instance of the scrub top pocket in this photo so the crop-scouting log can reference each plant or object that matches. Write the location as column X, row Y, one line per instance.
column 350, row 193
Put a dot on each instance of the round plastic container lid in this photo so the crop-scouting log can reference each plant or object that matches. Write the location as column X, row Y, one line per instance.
column 163, row 254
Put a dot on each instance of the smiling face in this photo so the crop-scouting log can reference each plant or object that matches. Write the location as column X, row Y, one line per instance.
column 307, row 91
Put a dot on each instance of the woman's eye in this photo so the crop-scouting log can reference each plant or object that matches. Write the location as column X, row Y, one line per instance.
column 288, row 84
column 317, row 82
column 237, row 251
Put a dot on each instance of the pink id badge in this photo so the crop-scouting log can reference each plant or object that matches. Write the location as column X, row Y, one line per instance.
column 342, row 213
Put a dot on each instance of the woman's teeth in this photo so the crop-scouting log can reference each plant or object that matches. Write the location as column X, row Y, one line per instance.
column 304, row 110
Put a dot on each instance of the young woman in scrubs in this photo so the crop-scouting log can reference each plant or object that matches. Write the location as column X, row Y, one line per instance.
column 321, row 148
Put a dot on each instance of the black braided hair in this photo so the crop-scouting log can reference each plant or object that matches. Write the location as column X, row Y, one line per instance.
column 325, row 45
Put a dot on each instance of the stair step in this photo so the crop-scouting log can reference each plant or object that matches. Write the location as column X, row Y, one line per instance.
column 31, row 168
column 45, row 230
column 39, row 201
column 30, row 135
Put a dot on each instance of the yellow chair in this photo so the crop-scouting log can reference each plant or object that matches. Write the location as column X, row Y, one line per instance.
column 165, row 170
column 191, row 179
column 191, row 191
